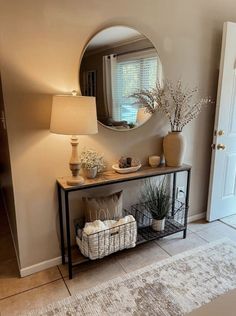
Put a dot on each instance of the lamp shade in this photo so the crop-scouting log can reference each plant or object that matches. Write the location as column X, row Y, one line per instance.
column 73, row 115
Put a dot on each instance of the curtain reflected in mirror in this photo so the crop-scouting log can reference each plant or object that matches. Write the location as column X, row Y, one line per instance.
column 117, row 62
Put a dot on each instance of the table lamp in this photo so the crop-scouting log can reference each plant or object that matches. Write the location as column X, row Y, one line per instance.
column 74, row 115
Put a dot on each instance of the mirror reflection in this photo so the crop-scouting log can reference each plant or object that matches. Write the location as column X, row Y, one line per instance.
column 117, row 62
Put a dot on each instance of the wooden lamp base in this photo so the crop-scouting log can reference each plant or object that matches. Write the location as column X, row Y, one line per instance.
column 75, row 179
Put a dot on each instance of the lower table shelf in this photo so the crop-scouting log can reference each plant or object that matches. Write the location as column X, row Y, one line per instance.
column 148, row 234
column 144, row 235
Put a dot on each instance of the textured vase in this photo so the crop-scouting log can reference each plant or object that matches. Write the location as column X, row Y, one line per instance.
column 91, row 173
column 158, row 225
column 174, row 148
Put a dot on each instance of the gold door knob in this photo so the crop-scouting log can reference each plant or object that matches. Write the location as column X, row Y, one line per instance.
column 221, row 147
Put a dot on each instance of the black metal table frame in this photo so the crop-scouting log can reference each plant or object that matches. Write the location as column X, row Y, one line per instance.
column 66, row 207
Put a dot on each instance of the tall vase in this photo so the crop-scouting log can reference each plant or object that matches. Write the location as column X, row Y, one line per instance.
column 174, row 148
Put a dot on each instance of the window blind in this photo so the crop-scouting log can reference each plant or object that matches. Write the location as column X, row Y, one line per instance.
column 133, row 72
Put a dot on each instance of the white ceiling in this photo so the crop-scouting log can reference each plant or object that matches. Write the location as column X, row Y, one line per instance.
column 113, row 36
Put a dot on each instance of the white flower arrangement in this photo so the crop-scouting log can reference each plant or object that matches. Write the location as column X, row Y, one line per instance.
column 89, row 159
column 176, row 101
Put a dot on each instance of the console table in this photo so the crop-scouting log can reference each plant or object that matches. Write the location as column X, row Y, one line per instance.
column 109, row 178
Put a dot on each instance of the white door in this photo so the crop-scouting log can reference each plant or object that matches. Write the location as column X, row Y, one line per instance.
column 222, row 191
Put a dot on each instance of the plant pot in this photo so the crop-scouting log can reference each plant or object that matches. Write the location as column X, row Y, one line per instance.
column 91, row 173
column 174, row 148
column 158, row 225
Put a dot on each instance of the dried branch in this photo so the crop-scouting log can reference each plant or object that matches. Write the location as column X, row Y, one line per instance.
column 177, row 102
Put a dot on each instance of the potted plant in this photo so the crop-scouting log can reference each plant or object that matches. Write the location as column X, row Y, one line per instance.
column 92, row 162
column 180, row 106
column 157, row 202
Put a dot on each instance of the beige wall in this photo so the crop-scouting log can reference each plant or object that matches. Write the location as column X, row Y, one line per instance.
column 41, row 44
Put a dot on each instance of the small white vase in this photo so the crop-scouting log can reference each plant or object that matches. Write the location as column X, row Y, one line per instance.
column 91, row 173
column 154, row 161
column 158, row 225
column 174, row 148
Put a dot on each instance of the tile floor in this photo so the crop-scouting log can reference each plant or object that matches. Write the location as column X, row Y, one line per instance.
column 20, row 294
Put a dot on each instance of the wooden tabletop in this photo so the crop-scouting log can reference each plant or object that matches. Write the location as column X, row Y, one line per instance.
column 110, row 176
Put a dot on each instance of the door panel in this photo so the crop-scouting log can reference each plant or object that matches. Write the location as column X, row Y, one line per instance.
column 222, row 192
column 232, row 110
column 229, row 177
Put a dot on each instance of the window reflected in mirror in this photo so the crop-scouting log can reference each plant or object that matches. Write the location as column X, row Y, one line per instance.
column 117, row 62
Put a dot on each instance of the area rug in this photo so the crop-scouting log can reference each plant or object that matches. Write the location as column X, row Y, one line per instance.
column 230, row 220
column 172, row 287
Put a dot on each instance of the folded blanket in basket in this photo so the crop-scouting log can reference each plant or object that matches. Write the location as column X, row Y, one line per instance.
column 97, row 226
column 101, row 238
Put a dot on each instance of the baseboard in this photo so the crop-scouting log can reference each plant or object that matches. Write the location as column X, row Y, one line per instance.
column 196, row 217
column 40, row 266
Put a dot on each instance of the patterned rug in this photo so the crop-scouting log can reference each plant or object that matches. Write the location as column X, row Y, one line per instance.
column 172, row 287
column 230, row 220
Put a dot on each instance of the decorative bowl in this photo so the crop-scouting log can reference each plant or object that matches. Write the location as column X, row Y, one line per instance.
column 126, row 170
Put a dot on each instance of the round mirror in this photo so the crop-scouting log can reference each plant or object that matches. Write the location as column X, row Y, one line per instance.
column 117, row 62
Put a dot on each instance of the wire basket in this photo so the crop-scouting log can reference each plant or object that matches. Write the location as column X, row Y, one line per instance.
column 175, row 220
column 105, row 242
